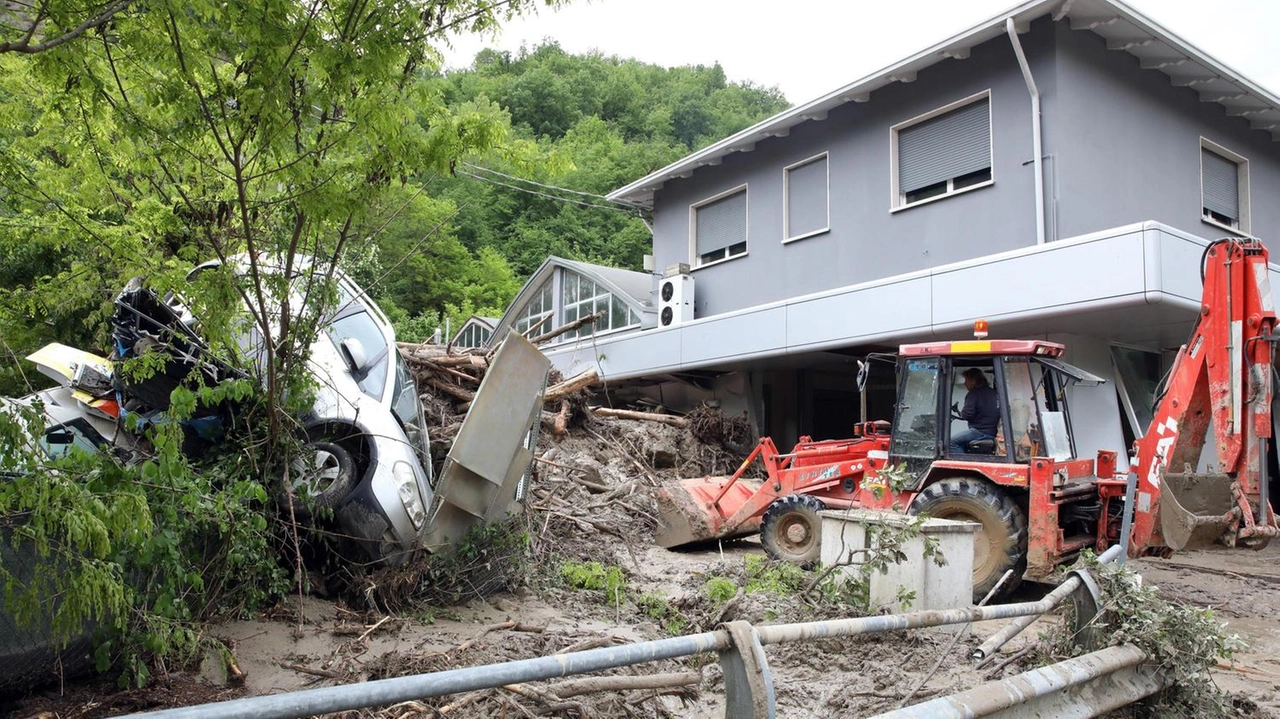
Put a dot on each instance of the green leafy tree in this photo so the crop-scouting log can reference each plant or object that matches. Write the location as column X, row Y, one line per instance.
column 176, row 132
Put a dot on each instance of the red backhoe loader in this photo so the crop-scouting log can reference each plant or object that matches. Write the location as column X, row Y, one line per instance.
column 1038, row 503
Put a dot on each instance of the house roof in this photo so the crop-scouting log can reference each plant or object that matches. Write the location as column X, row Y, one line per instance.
column 1120, row 25
column 636, row 287
column 475, row 321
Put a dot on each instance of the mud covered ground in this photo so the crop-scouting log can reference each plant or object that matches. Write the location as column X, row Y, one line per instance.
column 1243, row 590
column 592, row 501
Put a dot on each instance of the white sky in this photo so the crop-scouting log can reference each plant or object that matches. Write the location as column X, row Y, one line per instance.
column 809, row 47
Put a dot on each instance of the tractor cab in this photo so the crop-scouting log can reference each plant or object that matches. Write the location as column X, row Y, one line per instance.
column 988, row 401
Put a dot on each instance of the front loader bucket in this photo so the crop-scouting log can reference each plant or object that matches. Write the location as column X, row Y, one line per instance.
column 688, row 513
column 1195, row 509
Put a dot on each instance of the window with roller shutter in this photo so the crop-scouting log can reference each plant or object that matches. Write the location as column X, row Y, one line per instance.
column 719, row 226
column 807, row 207
column 943, row 152
column 1224, row 185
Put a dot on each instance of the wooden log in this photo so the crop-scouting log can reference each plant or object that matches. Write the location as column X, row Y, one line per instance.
column 557, row 392
column 464, row 360
column 561, row 426
column 645, row 416
column 548, row 420
column 453, row 373
column 548, row 336
column 451, row 390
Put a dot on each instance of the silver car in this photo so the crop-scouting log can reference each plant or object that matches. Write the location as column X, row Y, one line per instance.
column 368, row 454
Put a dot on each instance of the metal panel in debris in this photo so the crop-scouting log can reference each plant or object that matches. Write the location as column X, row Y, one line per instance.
column 481, row 476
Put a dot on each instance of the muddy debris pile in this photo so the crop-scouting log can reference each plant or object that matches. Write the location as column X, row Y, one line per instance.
column 596, row 465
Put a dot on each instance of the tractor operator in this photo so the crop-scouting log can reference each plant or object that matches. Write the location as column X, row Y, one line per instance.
column 981, row 411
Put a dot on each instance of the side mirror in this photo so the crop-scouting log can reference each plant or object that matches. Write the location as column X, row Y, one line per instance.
column 56, row 437
column 354, row 355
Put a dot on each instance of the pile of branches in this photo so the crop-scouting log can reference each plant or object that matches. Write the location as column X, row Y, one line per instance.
column 449, row 379
column 710, row 426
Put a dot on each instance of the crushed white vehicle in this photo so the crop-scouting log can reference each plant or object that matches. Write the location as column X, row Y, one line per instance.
column 368, row 462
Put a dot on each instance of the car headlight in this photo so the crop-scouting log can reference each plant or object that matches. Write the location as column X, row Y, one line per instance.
column 407, row 486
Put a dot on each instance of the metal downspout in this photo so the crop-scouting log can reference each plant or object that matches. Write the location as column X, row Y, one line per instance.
column 1038, row 159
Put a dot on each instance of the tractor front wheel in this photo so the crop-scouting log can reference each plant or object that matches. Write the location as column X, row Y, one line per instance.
column 791, row 529
column 1001, row 543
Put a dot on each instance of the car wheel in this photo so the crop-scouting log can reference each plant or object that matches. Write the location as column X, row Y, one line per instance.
column 320, row 478
column 1000, row 544
column 791, row 529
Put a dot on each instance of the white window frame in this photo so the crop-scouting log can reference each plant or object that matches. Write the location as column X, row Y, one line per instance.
column 524, row 313
column 603, row 291
column 694, row 257
column 1242, row 186
column 897, row 200
column 786, row 198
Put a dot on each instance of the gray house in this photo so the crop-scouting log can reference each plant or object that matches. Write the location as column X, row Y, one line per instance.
column 1055, row 170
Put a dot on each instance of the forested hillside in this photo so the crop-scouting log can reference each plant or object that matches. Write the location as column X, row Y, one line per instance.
column 597, row 122
column 437, row 243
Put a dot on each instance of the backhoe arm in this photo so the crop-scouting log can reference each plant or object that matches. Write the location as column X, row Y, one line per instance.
column 1223, row 374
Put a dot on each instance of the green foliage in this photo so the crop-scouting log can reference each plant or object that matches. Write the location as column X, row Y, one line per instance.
column 1183, row 642
column 140, row 551
column 593, row 575
column 610, row 121
column 769, row 577
column 487, row 559
column 658, row 607
column 720, row 589
column 182, row 132
column 888, row 480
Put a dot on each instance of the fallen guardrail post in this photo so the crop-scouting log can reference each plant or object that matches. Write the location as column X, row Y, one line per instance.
column 1086, row 686
column 1078, row 585
column 748, row 683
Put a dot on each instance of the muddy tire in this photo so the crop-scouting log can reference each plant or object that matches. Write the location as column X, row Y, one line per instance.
column 1001, row 543
column 791, row 530
column 320, row 478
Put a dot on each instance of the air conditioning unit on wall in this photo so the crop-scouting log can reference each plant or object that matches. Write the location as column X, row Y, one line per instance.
column 675, row 296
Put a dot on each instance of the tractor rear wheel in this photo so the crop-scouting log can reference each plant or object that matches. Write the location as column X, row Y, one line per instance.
column 791, row 529
column 1001, row 543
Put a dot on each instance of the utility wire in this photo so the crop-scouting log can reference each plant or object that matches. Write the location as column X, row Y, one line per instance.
column 549, row 187
column 490, row 180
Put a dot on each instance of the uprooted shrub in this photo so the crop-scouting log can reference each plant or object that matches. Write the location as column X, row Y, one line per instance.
column 488, row 559
column 135, row 554
column 1183, row 643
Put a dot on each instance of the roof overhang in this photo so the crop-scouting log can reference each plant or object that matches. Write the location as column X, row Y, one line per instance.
column 1121, row 26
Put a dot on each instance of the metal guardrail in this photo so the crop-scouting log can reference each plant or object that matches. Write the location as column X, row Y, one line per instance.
column 1077, row 584
column 748, row 682
column 1086, row 686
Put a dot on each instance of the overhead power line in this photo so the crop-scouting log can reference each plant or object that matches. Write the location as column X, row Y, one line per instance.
column 549, row 187
column 627, row 210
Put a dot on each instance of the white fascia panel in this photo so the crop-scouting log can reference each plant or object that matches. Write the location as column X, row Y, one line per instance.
column 1041, row 282
column 861, row 314
column 1179, row 264
column 633, row 354
column 734, row 336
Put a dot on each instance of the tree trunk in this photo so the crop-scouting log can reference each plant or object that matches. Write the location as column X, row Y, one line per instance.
column 645, row 416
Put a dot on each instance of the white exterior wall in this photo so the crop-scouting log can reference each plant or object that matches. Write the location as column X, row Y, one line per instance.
column 1095, row 411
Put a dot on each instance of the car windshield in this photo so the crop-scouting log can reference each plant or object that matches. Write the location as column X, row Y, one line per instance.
column 408, row 409
column 360, row 326
column 60, row 441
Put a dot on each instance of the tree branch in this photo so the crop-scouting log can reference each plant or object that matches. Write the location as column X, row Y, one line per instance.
column 24, row 45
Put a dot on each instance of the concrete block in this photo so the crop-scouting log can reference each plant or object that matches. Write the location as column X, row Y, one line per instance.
column 946, row 587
